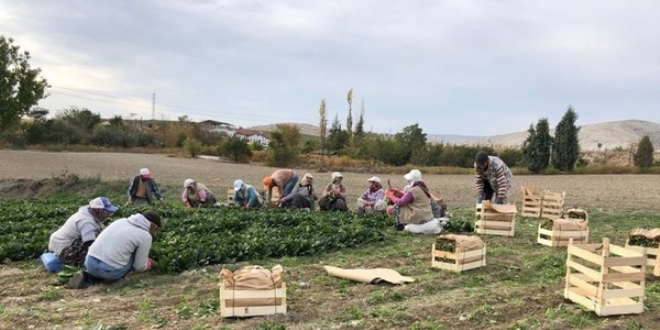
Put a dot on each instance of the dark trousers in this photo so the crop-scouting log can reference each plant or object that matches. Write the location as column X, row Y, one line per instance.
column 488, row 191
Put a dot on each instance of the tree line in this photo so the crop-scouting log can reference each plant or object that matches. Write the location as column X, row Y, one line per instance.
column 21, row 88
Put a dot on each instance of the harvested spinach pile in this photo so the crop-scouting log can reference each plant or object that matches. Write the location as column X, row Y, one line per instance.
column 458, row 226
column 546, row 224
column 645, row 238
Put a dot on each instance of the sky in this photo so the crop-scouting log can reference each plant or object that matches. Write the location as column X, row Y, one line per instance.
column 453, row 67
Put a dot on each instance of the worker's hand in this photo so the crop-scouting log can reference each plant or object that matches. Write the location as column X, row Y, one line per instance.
column 247, row 206
column 188, row 204
column 480, row 199
column 150, row 264
column 499, row 201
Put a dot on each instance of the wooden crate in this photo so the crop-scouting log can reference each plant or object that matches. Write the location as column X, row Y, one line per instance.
column 651, row 254
column 605, row 278
column 531, row 204
column 461, row 260
column 239, row 303
column 552, row 204
column 556, row 237
column 492, row 222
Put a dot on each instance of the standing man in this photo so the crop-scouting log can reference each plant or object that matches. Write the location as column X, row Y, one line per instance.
column 284, row 179
column 492, row 178
column 143, row 189
column 120, row 248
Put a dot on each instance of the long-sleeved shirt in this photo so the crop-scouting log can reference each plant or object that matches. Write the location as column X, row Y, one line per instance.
column 374, row 196
column 199, row 195
column 122, row 239
column 497, row 174
column 81, row 225
column 246, row 196
column 150, row 186
column 334, row 188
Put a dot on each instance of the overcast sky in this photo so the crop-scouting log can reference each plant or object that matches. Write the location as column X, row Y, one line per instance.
column 454, row 67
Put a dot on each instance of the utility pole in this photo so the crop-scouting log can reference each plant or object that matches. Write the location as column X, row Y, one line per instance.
column 153, row 106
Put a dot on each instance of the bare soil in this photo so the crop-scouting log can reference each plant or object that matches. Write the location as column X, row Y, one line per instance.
column 620, row 192
column 479, row 299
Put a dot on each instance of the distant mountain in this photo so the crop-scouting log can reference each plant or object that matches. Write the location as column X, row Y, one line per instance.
column 610, row 135
column 305, row 129
column 452, row 138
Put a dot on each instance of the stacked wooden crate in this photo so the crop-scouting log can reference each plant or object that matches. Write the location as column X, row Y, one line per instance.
column 552, row 204
column 531, row 203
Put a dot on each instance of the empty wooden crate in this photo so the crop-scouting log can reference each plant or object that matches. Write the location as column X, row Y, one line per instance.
column 559, row 232
column 552, row 204
column 457, row 253
column 531, row 203
column 252, row 291
column 494, row 219
column 605, row 278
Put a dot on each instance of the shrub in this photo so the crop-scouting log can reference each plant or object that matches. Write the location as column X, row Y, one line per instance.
column 193, row 147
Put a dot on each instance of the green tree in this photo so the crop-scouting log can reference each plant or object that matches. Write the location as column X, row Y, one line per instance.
column 83, row 119
column 359, row 135
column 235, row 148
column 337, row 137
column 323, row 125
column 413, row 140
column 192, row 146
column 20, row 86
column 537, row 146
column 511, row 157
column 566, row 146
column 349, row 118
column 279, row 152
column 644, row 155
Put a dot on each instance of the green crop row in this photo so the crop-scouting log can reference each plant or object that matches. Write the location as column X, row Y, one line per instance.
column 193, row 238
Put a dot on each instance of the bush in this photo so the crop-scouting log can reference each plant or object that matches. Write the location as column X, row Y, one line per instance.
column 193, row 147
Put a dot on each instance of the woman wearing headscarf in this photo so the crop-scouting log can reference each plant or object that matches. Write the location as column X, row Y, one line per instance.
column 414, row 207
column 334, row 195
column 196, row 194
column 303, row 196
column 372, row 198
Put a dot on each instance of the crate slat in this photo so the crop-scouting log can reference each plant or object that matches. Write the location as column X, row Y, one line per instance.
column 229, row 297
column 556, row 237
column 462, row 260
column 491, row 222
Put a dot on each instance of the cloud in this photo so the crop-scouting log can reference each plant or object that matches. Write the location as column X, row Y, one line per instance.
column 467, row 67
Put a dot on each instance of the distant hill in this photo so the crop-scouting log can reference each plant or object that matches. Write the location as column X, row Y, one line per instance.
column 611, row 135
column 305, row 129
column 452, row 138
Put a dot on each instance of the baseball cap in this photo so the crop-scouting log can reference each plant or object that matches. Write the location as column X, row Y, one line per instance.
column 238, row 184
column 268, row 181
column 153, row 217
column 145, row 172
column 102, row 203
column 374, row 179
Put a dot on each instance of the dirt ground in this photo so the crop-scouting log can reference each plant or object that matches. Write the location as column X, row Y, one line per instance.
column 437, row 300
column 627, row 192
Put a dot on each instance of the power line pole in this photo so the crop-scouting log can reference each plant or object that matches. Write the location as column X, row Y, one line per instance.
column 153, row 106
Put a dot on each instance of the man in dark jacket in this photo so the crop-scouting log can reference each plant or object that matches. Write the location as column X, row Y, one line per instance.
column 143, row 189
